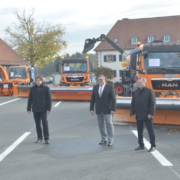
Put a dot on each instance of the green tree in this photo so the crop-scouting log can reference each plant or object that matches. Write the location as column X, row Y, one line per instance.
column 92, row 57
column 67, row 55
column 77, row 55
column 37, row 43
column 107, row 72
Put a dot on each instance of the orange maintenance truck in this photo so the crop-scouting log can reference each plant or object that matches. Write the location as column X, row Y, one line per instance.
column 7, row 88
column 21, row 75
column 75, row 72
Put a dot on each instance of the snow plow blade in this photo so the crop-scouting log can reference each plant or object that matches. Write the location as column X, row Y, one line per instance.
column 62, row 93
column 167, row 111
column 161, row 103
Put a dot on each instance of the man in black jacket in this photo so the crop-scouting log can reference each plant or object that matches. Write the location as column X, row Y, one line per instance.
column 144, row 105
column 40, row 101
column 103, row 96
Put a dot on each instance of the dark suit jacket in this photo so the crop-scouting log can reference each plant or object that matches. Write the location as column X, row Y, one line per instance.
column 143, row 103
column 106, row 103
column 39, row 99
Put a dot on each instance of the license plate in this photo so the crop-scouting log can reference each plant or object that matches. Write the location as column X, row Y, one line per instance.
column 169, row 75
column 5, row 85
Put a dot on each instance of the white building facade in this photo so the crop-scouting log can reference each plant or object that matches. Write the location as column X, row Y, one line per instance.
column 113, row 60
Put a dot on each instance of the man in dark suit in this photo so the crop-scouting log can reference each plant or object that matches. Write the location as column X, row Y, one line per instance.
column 40, row 101
column 144, row 105
column 103, row 96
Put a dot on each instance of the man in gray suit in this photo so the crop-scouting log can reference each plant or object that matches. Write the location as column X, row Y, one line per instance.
column 103, row 96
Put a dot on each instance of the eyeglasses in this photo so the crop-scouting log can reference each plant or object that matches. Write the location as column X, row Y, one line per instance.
column 100, row 79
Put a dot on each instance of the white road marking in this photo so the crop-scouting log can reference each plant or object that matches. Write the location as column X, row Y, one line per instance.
column 57, row 104
column 175, row 172
column 14, row 145
column 9, row 101
column 155, row 153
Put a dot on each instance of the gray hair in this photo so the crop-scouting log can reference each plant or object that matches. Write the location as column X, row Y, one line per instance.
column 144, row 79
column 102, row 76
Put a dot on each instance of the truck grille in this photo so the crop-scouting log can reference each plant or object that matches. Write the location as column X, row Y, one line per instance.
column 71, row 79
column 165, row 85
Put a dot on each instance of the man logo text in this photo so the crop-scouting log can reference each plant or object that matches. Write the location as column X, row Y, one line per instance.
column 170, row 85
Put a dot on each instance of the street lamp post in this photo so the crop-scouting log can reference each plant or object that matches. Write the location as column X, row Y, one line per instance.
column 36, row 66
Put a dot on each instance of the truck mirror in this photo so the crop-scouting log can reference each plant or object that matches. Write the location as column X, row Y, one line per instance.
column 144, row 53
column 92, row 67
column 133, row 61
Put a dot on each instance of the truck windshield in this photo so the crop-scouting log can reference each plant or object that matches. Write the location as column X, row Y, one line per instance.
column 168, row 60
column 17, row 73
column 74, row 67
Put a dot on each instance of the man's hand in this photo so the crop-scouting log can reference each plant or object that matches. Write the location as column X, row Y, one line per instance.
column 112, row 113
column 48, row 112
column 92, row 112
column 29, row 112
column 149, row 116
column 133, row 116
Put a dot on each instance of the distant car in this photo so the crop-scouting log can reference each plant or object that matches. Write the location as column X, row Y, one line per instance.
column 49, row 80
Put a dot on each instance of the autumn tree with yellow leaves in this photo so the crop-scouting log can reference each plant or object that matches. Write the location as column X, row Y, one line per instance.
column 38, row 43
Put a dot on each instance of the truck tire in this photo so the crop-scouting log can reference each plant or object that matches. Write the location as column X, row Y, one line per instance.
column 119, row 88
column 63, row 84
column 85, row 84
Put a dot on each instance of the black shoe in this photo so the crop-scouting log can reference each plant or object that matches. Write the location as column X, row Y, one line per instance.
column 152, row 149
column 102, row 142
column 46, row 141
column 140, row 148
column 38, row 140
column 110, row 143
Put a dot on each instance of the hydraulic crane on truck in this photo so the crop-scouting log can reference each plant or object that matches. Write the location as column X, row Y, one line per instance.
column 89, row 44
column 159, row 63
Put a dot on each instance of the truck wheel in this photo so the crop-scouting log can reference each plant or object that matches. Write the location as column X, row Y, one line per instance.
column 85, row 84
column 119, row 88
column 63, row 84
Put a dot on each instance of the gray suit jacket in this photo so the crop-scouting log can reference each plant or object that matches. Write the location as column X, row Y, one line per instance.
column 106, row 103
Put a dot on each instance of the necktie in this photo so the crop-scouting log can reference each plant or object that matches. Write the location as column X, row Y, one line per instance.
column 100, row 91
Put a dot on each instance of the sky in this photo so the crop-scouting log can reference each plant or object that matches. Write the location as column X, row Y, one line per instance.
column 85, row 19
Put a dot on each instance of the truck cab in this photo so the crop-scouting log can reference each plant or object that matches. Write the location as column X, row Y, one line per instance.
column 159, row 63
column 75, row 72
column 22, row 75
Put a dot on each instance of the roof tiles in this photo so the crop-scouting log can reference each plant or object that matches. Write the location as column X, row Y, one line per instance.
column 8, row 55
column 125, row 29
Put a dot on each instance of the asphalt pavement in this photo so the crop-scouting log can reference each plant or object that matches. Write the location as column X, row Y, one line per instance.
column 74, row 152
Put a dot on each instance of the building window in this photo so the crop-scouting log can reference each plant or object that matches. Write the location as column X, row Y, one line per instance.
column 114, row 72
column 116, row 40
column 109, row 58
column 120, row 57
column 134, row 40
column 120, row 73
column 167, row 38
column 150, row 39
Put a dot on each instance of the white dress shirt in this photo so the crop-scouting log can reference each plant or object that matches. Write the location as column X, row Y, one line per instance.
column 102, row 88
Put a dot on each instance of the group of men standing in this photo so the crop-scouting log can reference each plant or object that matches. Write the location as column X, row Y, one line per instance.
column 104, row 99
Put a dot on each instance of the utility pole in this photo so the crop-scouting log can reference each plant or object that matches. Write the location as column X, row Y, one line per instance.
column 36, row 66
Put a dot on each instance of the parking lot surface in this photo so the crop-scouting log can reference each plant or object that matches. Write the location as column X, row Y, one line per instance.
column 74, row 152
